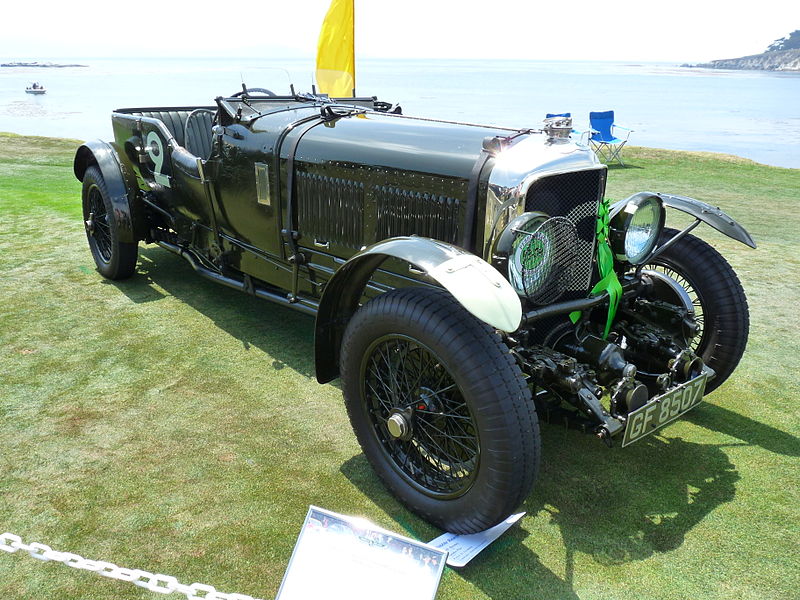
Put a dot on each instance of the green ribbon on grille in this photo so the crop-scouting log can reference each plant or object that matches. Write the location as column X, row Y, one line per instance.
column 605, row 265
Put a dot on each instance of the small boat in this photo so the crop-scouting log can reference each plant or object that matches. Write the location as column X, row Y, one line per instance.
column 35, row 88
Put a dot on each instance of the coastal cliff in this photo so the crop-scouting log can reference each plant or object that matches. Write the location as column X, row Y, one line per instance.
column 784, row 60
column 41, row 65
column 781, row 55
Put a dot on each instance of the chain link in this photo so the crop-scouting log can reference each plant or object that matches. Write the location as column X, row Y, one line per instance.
column 155, row 582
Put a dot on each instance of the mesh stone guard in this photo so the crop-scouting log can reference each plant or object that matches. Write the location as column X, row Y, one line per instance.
column 544, row 259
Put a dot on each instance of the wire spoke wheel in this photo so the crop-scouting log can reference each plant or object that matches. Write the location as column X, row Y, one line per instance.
column 440, row 408
column 419, row 416
column 114, row 258
column 97, row 224
column 718, row 299
column 699, row 311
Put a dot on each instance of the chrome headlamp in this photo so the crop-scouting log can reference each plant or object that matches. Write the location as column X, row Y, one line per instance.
column 540, row 253
column 635, row 228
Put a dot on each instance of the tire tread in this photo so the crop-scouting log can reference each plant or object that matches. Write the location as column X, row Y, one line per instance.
column 499, row 394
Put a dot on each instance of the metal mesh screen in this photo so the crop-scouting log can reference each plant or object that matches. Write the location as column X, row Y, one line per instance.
column 574, row 196
column 545, row 259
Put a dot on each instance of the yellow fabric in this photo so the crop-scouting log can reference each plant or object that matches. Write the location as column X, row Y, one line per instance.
column 336, row 60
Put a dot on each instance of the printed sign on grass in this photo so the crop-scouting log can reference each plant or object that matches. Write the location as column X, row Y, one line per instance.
column 343, row 557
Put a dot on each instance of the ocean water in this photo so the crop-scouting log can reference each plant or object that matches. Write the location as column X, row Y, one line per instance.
column 753, row 114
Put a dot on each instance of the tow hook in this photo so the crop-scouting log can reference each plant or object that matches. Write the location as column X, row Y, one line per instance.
column 605, row 436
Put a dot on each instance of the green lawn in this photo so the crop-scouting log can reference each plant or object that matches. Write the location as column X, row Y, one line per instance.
column 170, row 424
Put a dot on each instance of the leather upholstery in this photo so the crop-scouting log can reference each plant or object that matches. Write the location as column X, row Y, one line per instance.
column 197, row 132
column 190, row 127
column 173, row 119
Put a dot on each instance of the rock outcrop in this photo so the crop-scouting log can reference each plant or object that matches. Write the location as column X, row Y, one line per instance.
column 784, row 60
column 43, row 65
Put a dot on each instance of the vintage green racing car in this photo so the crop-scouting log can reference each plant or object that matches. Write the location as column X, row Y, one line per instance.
column 466, row 280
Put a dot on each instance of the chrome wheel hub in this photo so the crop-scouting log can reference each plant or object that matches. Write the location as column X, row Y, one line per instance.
column 398, row 426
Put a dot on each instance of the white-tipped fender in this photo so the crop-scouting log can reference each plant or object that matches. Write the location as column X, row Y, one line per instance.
column 480, row 289
column 473, row 282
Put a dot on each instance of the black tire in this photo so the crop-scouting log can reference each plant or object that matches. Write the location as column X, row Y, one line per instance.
column 718, row 298
column 470, row 454
column 114, row 259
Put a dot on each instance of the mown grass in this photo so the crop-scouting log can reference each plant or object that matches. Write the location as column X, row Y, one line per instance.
column 169, row 424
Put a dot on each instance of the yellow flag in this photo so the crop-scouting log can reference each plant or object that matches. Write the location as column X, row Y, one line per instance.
column 336, row 60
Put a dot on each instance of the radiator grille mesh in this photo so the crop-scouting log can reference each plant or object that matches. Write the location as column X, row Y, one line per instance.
column 574, row 196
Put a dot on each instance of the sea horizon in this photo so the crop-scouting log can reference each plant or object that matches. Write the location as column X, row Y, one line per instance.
column 751, row 114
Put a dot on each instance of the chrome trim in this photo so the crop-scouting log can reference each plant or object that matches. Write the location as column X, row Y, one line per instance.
column 263, row 195
column 516, row 168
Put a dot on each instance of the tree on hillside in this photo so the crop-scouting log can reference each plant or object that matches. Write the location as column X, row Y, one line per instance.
column 790, row 42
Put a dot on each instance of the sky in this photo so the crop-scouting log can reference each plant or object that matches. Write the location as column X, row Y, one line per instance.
column 615, row 30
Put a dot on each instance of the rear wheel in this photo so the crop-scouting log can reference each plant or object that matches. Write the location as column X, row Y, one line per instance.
column 114, row 259
column 718, row 298
column 440, row 409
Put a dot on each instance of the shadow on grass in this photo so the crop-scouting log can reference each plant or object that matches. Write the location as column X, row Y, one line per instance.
column 616, row 506
column 722, row 420
column 283, row 333
column 288, row 335
column 625, row 505
column 490, row 570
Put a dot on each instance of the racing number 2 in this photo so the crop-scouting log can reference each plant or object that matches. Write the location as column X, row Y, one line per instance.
column 155, row 150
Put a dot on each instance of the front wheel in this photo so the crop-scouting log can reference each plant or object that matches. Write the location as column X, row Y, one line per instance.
column 718, row 298
column 440, row 409
column 114, row 259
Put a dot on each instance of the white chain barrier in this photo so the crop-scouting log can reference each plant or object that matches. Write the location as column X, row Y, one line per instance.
column 155, row 582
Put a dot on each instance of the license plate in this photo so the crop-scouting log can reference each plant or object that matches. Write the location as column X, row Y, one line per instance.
column 663, row 409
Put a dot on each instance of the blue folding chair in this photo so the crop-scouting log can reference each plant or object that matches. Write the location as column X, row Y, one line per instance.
column 604, row 139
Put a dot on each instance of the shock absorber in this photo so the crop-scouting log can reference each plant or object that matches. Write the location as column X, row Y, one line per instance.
column 572, row 381
column 613, row 369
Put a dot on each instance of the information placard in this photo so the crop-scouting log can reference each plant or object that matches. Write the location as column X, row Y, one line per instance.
column 463, row 548
column 344, row 557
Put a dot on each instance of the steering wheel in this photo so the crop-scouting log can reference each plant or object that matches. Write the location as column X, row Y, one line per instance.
column 247, row 91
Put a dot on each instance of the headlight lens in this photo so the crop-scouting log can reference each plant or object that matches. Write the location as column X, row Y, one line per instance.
column 540, row 254
column 530, row 259
column 636, row 228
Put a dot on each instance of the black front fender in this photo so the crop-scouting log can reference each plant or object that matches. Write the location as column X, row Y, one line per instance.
column 121, row 193
column 711, row 215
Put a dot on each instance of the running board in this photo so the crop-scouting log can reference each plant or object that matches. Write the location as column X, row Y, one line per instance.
column 243, row 285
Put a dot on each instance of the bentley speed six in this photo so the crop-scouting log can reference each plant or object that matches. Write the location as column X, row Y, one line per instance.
column 465, row 280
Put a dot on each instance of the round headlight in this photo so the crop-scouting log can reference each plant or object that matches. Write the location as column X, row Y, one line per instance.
column 635, row 229
column 541, row 253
